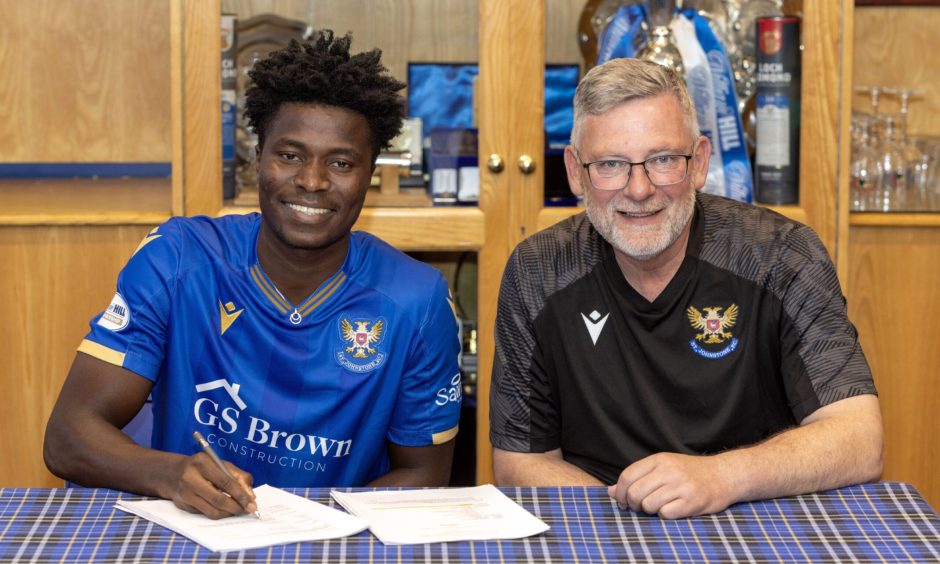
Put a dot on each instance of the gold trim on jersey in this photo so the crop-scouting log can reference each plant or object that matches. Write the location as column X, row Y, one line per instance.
column 321, row 296
column 101, row 352
column 444, row 436
column 149, row 238
column 268, row 289
column 308, row 305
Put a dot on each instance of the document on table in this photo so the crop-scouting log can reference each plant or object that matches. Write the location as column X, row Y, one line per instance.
column 287, row 518
column 440, row 515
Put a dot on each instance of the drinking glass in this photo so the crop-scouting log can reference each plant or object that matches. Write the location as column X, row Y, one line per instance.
column 917, row 166
column 894, row 178
column 866, row 171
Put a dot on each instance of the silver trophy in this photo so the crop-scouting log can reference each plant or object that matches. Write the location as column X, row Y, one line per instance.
column 660, row 48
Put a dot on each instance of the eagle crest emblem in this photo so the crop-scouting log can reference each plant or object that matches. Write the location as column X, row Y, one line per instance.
column 361, row 345
column 714, row 326
column 361, row 337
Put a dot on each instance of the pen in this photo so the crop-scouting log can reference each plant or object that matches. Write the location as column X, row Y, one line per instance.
column 215, row 458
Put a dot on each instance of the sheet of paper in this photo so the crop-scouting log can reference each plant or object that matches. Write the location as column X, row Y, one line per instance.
column 287, row 518
column 441, row 515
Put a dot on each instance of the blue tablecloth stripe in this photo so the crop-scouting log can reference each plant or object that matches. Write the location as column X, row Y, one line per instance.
column 887, row 521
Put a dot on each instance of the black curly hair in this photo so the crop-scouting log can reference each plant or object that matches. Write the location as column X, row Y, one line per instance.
column 323, row 72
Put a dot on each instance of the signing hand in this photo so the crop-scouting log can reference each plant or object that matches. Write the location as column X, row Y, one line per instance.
column 202, row 487
column 674, row 486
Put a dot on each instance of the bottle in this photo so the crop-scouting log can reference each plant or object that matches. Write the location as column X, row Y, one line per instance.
column 777, row 97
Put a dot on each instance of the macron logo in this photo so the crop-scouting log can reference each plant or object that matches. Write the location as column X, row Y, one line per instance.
column 595, row 324
column 232, row 390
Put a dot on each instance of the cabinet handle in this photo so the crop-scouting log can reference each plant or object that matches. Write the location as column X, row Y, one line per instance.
column 495, row 163
column 526, row 164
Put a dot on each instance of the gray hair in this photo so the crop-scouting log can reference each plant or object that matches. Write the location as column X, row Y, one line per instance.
column 621, row 80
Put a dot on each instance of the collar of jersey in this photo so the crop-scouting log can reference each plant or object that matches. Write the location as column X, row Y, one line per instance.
column 326, row 290
column 321, row 295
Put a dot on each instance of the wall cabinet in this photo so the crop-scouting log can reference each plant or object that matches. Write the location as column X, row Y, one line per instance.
column 894, row 258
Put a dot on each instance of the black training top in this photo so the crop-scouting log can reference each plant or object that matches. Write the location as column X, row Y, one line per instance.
column 749, row 337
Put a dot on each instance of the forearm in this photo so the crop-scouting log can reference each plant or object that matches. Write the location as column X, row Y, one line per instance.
column 411, row 477
column 92, row 454
column 427, row 466
column 96, row 454
column 818, row 455
column 538, row 469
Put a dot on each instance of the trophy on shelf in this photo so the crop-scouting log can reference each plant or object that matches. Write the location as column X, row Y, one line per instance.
column 660, row 48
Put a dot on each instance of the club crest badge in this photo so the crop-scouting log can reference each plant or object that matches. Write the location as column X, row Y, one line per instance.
column 361, row 343
column 715, row 328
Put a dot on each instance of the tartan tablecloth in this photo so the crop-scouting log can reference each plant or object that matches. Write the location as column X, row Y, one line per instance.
column 883, row 522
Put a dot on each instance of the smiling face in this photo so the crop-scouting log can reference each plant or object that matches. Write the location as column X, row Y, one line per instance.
column 641, row 221
column 313, row 173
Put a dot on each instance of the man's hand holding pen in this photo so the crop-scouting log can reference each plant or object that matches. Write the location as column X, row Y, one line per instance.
column 208, row 485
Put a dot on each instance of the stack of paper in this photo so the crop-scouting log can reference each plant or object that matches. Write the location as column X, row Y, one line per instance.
column 287, row 518
column 394, row 516
column 440, row 515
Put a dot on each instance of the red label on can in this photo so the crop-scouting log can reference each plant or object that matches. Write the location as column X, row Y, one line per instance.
column 770, row 33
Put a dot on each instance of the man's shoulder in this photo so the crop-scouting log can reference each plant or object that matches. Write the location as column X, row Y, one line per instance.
column 375, row 254
column 378, row 265
column 558, row 255
column 572, row 243
column 207, row 231
column 735, row 233
column 183, row 245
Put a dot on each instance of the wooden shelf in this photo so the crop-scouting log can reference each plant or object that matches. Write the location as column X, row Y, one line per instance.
column 796, row 213
column 551, row 215
column 416, row 229
column 105, row 201
column 921, row 219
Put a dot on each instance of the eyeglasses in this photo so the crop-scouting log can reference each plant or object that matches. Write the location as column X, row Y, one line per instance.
column 662, row 170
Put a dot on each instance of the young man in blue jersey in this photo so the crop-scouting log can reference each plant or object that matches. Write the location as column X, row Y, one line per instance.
column 306, row 354
column 686, row 350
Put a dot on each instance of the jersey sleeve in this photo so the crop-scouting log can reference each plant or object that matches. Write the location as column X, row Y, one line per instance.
column 523, row 416
column 427, row 410
column 131, row 331
column 822, row 359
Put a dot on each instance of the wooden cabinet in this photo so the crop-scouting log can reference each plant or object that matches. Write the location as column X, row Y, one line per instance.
column 65, row 242
column 83, row 83
column 894, row 258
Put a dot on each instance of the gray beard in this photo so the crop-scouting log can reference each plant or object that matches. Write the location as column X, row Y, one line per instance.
column 624, row 241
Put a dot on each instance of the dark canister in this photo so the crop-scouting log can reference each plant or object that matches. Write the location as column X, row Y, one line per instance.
column 777, row 154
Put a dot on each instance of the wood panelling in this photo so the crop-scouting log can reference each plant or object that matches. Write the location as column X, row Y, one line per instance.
column 67, row 98
column 895, row 304
column 895, row 46
column 197, row 97
column 820, row 134
column 110, row 201
column 511, row 109
column 55, row 279
column 894, row 259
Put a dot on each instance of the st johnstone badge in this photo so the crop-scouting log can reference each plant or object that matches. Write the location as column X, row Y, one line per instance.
column 715, row 329
column 361, row 343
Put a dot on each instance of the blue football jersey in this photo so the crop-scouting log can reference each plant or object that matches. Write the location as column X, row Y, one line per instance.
column 297, row 394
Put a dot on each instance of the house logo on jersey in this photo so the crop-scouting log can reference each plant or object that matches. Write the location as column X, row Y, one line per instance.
column 715, row 330
column 361, row 340
column 595, row 324
column 227, row 315
column 117, row 315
